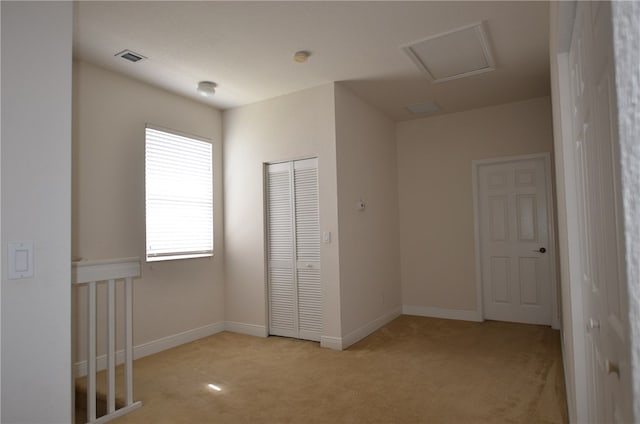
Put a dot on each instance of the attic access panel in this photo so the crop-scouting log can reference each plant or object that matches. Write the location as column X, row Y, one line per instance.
column 455, row 54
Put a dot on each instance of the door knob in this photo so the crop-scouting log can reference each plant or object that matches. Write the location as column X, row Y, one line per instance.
column 541, row 250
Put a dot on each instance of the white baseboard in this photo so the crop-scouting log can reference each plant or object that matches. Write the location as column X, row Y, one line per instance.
column 427, row 311
column 168, row 342
column 334, row 343
column 362, row 332
column 155, row 346
column 243, row 328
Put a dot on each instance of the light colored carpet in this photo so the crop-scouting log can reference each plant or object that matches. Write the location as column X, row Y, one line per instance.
column 414, row 370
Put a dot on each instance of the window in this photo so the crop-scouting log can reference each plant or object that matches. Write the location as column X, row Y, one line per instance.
column 178, row 196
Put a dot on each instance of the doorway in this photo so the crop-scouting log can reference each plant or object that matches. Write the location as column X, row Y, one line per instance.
column 515, row 254
column 293, row 249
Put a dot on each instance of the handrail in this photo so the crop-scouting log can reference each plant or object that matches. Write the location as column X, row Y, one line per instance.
column 84, row 271
column 92, row 273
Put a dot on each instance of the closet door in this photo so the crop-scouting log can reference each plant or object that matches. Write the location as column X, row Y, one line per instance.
column 293, row 234
column 283, row 299
column 307, row 232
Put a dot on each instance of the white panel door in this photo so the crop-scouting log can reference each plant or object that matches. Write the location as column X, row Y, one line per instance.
column 600, row 222
column 514, row 241
column 293, row 249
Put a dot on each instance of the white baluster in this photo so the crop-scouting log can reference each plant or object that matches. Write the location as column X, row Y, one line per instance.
column 128, row 335
column 93, row 273
column 111, row 346
column 91, row 360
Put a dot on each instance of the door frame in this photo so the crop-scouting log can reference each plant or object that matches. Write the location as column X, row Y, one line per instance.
column 551, row 229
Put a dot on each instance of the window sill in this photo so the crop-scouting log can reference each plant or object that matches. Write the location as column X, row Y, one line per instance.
column 176, row 257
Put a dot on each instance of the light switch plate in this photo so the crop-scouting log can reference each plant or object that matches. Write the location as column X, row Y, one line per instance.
column 20, row 260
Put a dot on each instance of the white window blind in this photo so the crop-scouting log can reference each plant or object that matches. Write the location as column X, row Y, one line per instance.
column 178, row 195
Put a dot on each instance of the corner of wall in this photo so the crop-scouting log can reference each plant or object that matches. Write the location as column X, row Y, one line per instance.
column 369, row 239
column 365, row 330
column 248, row 329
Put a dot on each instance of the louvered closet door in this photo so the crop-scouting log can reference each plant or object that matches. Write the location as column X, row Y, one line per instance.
column 282, row 290
column 295, row 298
column 308, row 249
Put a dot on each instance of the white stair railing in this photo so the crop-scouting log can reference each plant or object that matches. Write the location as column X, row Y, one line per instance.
column 91, row 274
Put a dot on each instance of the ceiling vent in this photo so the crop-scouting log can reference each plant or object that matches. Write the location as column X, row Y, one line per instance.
column 454, row 54
column 420, row 108
column 130, row 56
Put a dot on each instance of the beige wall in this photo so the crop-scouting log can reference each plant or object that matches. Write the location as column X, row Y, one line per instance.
column 297, row 125
column 36, row 193
column 109, row 116
column 435, row 192
column 369, row 241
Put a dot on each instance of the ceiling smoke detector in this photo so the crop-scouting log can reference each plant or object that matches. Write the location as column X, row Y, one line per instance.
column 207, row 88
column 130, row 56
column 454, row 54
column 301, row 56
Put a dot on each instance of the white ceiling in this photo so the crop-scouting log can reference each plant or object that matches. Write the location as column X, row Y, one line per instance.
column 247, row 48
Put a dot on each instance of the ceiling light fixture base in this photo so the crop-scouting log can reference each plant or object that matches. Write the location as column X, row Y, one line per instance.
column 207, row 88
column 301, row 56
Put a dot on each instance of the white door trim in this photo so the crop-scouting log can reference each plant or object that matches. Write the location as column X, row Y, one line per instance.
column 573, row 333
column 475, row 165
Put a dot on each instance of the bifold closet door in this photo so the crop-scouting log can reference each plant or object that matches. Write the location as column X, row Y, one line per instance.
column 293, row 249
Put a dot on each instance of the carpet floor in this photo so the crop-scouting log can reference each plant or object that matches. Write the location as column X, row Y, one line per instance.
column 413, row 370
